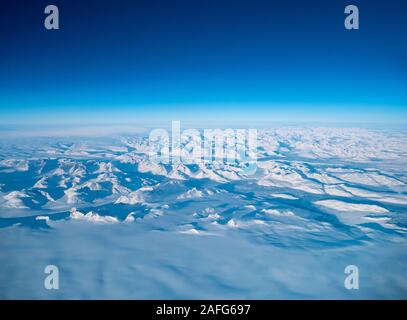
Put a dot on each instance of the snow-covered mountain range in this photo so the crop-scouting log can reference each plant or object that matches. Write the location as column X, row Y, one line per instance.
column 120, row 225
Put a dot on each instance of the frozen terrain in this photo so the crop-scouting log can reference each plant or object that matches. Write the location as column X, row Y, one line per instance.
column 121, row 226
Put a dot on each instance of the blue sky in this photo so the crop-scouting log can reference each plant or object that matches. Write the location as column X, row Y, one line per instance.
column 129, row 61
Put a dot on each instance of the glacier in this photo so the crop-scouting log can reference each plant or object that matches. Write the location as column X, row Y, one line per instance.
column 120, row 226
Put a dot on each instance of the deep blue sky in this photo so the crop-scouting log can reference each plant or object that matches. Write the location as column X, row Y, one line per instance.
column 125, row 61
